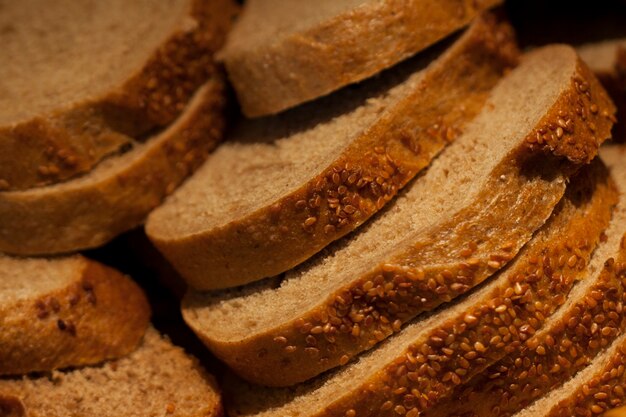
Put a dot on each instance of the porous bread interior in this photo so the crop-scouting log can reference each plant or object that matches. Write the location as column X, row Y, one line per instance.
column 270, row 21
column 57, row 53
column 143, row 384
column 458, row 174
column 547, row 404
column 30, row 278
column 265, row 159
column 114, row 165
column 600, row 56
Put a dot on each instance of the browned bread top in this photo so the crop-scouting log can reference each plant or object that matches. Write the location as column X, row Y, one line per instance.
column 78, row 80
column 117, row 195
column 62, row 312
column 284, row 52
column 454, row 227
column 282, row 188
column 158, row 379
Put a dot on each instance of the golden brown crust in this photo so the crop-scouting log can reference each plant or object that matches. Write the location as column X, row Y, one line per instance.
column 69, row 217
column 101, row 315
column 544, row 361
column 11, row 406
column 603, row 391
column 571, row 129
column 69, row 142
column 451, row 352
column 347, row 48
column 360, row 181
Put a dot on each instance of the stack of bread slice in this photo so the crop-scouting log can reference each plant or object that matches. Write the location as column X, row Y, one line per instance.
column 409, row 217
column 106, row 107
column 401, row 264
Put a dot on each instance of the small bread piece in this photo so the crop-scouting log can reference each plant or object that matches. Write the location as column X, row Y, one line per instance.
column 465, row 218
column 284, row 52
column 62, row 312
column 79, row 81
column 117, row 195
column 158, row 379
column 421, row 365
column 590, row 320
column 281, row 189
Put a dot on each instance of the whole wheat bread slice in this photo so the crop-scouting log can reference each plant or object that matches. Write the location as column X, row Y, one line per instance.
column 62, row 312
column 590, row 320
column 460, row 222
column 283, row 188
column 285, row 52
column 117, row 195
column 420, row 366
column 596, row 389
column 158, row 379
column 79, row 80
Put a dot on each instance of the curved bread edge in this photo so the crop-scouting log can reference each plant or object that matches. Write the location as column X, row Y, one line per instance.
column 359, row 182
column 55, row 147
column 100, row 315
column 90, row 211
column 342, row 50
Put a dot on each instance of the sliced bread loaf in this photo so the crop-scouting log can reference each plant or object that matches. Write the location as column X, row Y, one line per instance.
column 118, row 194
column 589, row 321
column 284, row 52
column 79, row 80
column 61, row 312
column 421, row 365
column 283, row 188
column 460, row 222
column 158, row 379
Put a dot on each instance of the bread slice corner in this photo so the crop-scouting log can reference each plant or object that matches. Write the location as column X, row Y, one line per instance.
column 64, row 312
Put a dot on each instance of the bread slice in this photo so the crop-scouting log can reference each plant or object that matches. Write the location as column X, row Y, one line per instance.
column 158, row 379
column 589, row 321
column 89, row 211
column 594, row 390
column 460, row 222
column 284, row 52
column 62, row 312
column 79, row 80
column 283, row 188
column 420, row 366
